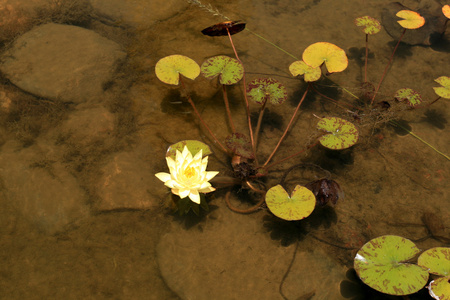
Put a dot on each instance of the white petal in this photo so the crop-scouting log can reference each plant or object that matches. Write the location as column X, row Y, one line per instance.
column 163, row 176
column 198, row 156
column 207, row 190
column 186, row 153
column 176, row 192
column 210, row 175
column 184, row 193
column 195, row 197
column 170, row 162
column 171, row 184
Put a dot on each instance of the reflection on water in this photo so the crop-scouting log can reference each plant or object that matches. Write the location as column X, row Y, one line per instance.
column 85, row 125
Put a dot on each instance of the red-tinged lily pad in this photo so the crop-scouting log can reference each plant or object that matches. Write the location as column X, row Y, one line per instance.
column 444, row 90
column 299, row 67
column 440, row 288
column 240, row 145
column 223, row 28
column 341, row 134
column 436, row 260
column 370, row 25
column 380, row 264
column 193, row 146
column 291, row 208
column 334, row 57
column 411, row 97
column 411, row 19
column 266, row 89
column 229, row 70
column 168, row 69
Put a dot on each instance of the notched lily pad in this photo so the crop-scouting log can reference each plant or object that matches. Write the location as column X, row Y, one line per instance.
column 334, row 57
column 229, row 70
column 380, row 264
column 411, row 19
column 291, row 208
column 169, row 68
column 299, row 67
column 239, row 144
column 193, row 146
column 370, row 25
column 341, row 133
column 437, row 260
column 410, row 96
column 444, row 90
column 266, row 89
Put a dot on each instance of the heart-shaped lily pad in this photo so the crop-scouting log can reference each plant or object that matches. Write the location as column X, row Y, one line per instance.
column 411, row 19
column 193, row 146
column 239, row 144
column 440, row 288
column 410, row 96
column 444, row 90
column 266, row 89
column 446, row 10
column 341, row 133
column 169, row 68
column 437, row 260
column 229, row 70
column 380, row 264
column 370, row 25
column 291, row 208
column 299, row 67
column 333, row 56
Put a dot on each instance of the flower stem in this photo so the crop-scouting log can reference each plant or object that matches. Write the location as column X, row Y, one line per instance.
column 367, row 57
column 258, row 125
column 200, row 117
column 291, row 156
column 247, row 106
column 288, row 127
column 387, row 67
column 434, row 101
column 227, row 106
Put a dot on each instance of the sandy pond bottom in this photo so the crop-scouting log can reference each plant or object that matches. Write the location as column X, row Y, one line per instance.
column 389, row 180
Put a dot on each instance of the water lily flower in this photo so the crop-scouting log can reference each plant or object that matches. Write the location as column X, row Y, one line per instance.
column 188, row 176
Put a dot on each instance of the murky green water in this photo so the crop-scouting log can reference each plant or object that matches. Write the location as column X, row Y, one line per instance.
column 390, row 179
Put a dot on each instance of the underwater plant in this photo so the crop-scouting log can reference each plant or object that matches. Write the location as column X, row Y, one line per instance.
column 370, row 26
column 411, row 20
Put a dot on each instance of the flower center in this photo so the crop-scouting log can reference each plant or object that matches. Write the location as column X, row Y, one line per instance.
column 190, row 172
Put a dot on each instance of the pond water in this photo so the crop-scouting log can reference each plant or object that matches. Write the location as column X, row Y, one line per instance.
column 84, row 217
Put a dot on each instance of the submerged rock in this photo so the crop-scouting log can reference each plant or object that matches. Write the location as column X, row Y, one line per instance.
column 61, row 62
column 40, row 189
column 430, row 33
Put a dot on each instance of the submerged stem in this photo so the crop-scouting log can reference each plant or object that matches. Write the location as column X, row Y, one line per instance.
column 247, row 106
column 258, row 125
column 199, row 116
column 227, row 106
column 288, row 127
column 367, row 57
column 387, row 67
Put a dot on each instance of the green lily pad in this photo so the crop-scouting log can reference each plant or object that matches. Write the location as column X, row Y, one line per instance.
column 239, row 144
column 341, row 133
column 444, row 90
column 299, row 67
column 193, row 146
column 334, row 57
column 169, row 68
column 371, row 25
column 229, row 70
column 437, row 260
column 291, row 208
column 410, row 96
column 380, row 265
column 440, row 288
column 266, row 89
